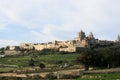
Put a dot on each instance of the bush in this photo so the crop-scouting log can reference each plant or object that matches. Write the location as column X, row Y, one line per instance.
column 50, row 76
column 31, row 63
column 70, row 76
column 41, row 65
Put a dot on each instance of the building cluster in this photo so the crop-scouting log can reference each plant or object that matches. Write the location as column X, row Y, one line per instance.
column 81, row 41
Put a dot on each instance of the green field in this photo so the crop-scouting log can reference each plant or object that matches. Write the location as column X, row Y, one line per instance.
column 67, row 57
column 51, row 59
column 48, row 59
column 113, row 76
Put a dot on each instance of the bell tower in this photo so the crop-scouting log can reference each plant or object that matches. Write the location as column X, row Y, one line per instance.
column 118, row 38
column 81, row 35
column 91, row 36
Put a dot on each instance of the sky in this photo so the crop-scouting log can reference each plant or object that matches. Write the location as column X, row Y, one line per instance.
column 37, row 21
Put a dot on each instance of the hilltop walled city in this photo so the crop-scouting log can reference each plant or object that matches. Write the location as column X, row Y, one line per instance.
column 74, row 58
column 81, row 41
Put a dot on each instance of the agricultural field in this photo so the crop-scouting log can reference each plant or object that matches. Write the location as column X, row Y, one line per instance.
column 112, row 76
column 9, row 64
column 48, row 60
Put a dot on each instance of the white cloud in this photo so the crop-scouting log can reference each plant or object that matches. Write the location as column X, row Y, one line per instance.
column 52, row 32
column 2, row 27
column 32, row 12
column 4, row 43
column 41, row 37
column 78, row 13
column 58, row 19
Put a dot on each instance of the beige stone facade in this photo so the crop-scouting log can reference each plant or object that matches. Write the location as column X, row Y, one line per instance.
column 80, row 41
column 12, row 48
column 26, row 45
column 68, row 49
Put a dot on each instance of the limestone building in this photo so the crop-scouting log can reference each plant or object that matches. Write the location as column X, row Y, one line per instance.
column 81, row 41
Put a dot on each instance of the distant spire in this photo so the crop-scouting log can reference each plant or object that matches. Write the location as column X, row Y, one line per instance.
column 118, row 38
column 81, row 30
column 91, row 35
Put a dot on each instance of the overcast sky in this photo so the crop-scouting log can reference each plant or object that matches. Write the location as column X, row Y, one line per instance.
column 47, row 20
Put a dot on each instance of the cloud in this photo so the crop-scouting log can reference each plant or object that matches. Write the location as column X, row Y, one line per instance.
column 4, row 43
column 37, row 13
column 31, row 13
column 41, row 37
column 49, row 20
column 2, row 27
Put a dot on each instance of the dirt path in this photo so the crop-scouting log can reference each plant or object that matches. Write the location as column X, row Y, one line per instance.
column 112, row 70
column 71, row 71
column 12, row 75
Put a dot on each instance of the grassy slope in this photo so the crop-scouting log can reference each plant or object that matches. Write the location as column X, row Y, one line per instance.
column 67, row 57
column 23, row 60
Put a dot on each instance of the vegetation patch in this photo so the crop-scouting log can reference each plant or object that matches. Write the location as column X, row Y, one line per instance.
column 114, row 76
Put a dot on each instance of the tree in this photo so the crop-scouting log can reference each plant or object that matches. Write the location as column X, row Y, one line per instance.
column 85, row 58
column 2, row 49
column 31, row 62
column 92, row 58
column 8, row 47
column 41, row 65
column 50, row 76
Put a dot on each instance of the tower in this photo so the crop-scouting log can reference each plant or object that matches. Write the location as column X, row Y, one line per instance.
column 118, row 38
column 81, row 35
column 91, row 36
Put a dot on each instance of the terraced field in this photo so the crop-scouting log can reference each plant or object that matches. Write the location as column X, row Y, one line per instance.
column 23, row 61
column 113, row 76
